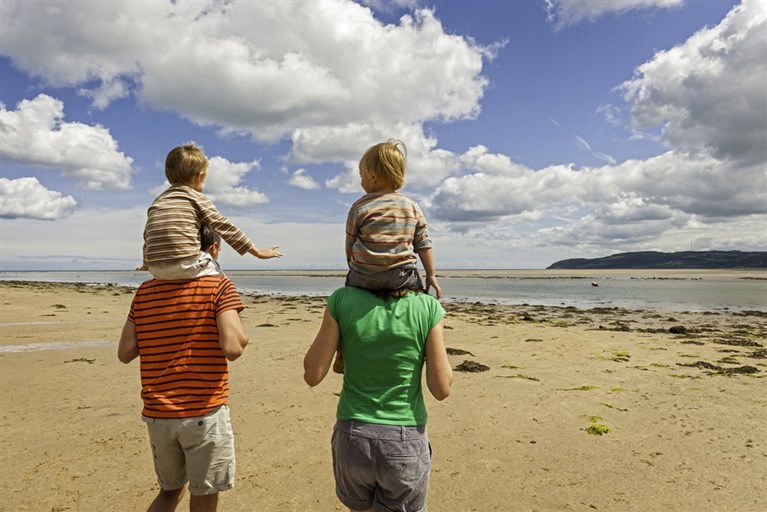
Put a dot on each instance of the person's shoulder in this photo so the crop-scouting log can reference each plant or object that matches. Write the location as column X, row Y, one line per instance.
column 153, row 286
column 401, row 199
column 341, row 291
column 220, row 280
column 350, row 292
column 183, row 189
column 149, row 283
column 365, row 200
column 162, row 195
column 407, row 199
column 424, row 298
column 186, row 189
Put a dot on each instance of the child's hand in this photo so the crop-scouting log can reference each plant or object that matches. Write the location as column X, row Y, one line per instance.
column 431, row 282
column 266, row 254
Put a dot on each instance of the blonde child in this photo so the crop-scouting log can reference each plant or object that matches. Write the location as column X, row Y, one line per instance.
column 172, row 231
column 385, row 229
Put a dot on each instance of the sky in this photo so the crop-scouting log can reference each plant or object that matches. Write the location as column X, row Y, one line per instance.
column 536, row 130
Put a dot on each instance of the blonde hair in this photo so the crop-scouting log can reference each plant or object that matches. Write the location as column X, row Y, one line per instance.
column 185, row 162
column 387, row 161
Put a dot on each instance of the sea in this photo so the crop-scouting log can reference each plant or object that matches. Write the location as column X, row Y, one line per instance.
column 661, row 290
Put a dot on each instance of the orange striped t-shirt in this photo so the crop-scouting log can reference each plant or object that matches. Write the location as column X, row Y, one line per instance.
column 184, row 372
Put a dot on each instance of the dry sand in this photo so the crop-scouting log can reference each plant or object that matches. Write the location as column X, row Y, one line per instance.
column 686, row 412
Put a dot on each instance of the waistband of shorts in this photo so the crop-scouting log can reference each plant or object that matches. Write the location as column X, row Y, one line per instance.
column 378, row 431
column 148, row 419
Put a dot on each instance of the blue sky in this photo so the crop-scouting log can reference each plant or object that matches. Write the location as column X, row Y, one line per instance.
column 536, row 130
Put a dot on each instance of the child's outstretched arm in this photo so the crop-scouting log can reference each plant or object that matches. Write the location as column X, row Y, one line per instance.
column 265, row 254
column 427, row 260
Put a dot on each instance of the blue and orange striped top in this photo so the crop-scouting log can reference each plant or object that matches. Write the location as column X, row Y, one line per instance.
column 384, row 231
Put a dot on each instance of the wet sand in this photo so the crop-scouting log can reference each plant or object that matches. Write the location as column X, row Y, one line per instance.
column 552, row 409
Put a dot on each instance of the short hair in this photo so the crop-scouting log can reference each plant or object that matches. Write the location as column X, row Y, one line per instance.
column 208, row 237
column 185, row 162
column 396, row 294
column 387, row 161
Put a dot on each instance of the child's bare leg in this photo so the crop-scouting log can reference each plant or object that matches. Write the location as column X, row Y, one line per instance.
column 338, row 364
column 206, row 503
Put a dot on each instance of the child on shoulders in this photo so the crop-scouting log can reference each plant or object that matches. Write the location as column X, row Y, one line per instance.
column 385, row 229
column 172, row 231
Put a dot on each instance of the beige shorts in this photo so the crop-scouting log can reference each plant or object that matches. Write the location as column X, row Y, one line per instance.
column 198, row 450
column 204, row 265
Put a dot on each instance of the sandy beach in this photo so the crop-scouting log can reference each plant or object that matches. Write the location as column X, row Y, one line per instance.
column 552, row 409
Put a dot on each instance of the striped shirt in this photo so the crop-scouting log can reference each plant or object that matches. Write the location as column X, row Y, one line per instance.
column 384, row 231
column 172, row 232
column 184, row 372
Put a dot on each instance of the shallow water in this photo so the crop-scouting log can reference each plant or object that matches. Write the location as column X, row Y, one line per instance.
column 53, row 345
column 641, row 289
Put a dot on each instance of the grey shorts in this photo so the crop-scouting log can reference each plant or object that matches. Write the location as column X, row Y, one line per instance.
column 393, row 279
column 198, row 450
column 381, row 466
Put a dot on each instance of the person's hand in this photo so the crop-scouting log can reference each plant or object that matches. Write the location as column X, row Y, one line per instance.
column 266, row 254
column 431, row 282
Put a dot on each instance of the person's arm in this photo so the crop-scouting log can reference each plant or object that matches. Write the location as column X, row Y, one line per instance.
column 127, row 349
column 231, row 334
column 319, row 357
column 439, row 375
column 427, row 260
column 230, row 233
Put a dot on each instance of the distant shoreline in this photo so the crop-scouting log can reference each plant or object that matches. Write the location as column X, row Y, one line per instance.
column 649, row 290
column 652, row 273
column 682, row 260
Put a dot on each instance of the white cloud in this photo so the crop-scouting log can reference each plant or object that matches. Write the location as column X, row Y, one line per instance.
column 310, row 74
column 581, row 143
column 347, row 182
column 611, row 113
column 707, row 94
column 92, row 238
column 106, row 93
column 427, row 165
column 223, row 183
column 269, row 69
column 28, row 198
column 36, row 134
column 302, row 179
column 111, row 238
column 565, row 13
column 636, row 200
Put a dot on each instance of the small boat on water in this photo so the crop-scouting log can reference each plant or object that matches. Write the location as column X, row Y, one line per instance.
column 594, row 283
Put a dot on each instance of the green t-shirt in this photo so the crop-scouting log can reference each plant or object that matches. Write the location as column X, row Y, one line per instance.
column 383, row 342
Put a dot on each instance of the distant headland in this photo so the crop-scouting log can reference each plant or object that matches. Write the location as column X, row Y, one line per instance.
column 668, row 260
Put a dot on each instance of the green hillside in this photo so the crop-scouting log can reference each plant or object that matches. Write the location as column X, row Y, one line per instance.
column 669, row 260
